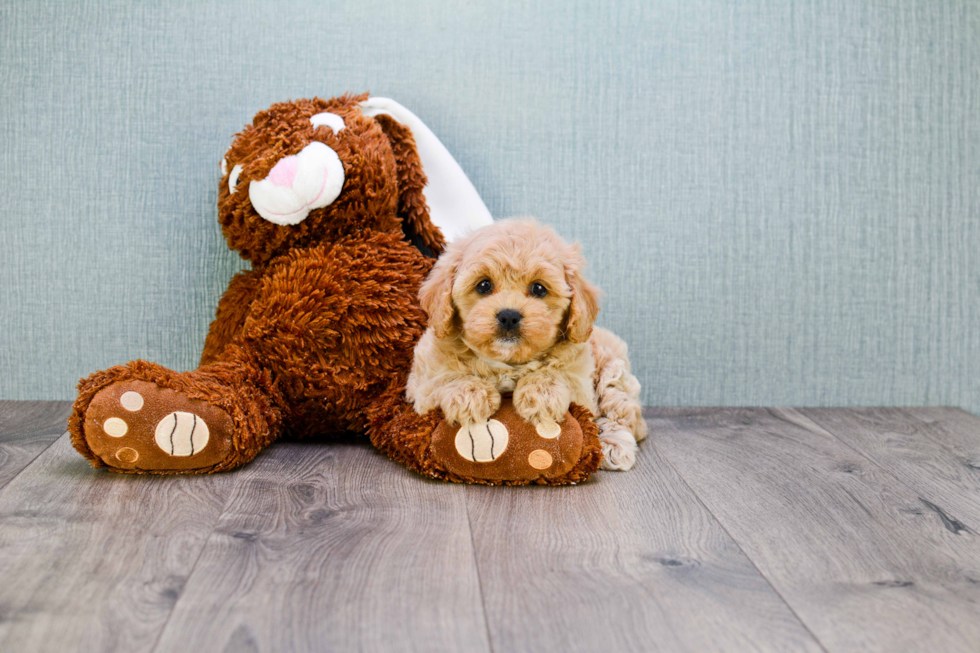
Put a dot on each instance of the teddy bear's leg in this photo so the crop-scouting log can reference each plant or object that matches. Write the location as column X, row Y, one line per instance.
column 331, row 325
column 402, row 434
column 145, row 418
column 511, row 451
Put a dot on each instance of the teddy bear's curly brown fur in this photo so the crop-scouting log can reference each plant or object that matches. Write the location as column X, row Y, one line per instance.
column 317, row 337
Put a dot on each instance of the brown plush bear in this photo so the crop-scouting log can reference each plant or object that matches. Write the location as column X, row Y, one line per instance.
column 328, row 201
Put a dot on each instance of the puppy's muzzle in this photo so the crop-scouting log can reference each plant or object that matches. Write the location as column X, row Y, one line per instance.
column 509, row 320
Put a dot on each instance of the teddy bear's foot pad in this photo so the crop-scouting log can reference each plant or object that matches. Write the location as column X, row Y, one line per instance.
column 509, row 449
column 140, row 426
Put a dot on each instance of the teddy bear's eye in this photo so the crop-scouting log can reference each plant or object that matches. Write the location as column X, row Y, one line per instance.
column 327, row 119
column 484, row 287
column 233, row 178
column 538, row 290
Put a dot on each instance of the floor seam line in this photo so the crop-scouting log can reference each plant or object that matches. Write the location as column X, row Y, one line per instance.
column 39, row 453
column 874, row 461
column 739, row 546
column 200, row 554
column 476, row 568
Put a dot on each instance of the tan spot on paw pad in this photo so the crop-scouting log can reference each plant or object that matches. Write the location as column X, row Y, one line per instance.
column 127, row 455
column 115, row 427
column 548, row 430
column 131, row 401
column 539, row 459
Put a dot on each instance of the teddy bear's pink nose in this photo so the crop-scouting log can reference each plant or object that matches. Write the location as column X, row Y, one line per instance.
column 284, row 172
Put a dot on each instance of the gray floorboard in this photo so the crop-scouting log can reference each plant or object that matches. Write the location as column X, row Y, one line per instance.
column 848, row 545
column 628, row 562
column 331, row 547
column 26, row 429
column 937, row 458
column 93, row 561
column 739, row 529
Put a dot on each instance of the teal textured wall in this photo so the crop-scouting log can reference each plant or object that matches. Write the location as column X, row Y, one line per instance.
column 780, row 199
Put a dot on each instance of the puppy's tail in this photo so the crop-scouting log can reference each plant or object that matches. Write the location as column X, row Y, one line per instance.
column 617, row 394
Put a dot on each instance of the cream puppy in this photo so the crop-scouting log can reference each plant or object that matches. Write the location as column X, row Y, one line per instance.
column 510, row 312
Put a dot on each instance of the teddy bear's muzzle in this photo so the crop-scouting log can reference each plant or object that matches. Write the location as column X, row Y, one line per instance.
column 297, row 184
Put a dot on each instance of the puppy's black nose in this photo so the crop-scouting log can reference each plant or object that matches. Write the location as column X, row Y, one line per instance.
column 509, row 319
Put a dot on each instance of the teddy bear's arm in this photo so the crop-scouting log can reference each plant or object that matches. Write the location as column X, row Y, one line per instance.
column 230, row 314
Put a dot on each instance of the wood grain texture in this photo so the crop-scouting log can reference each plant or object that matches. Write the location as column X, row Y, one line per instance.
column 629, row 561
column 956, row 430
column 934, row 451
column 332, row 547
column 26, row 429
column 850, row 547
column 739, row 529
column 93, row 561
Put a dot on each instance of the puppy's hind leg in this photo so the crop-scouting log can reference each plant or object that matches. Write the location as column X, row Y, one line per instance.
column 617, row 391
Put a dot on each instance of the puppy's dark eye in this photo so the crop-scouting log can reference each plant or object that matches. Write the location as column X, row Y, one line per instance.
column 484, row 287
column 538, row 290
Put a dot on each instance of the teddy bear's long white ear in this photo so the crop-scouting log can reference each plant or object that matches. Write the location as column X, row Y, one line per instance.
column 454, row 205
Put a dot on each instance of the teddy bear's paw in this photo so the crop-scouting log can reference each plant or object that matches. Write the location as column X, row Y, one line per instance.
column 508, row 448
column 139, row 426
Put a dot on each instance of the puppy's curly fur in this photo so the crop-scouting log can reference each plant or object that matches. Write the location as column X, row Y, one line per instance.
column 509, row 311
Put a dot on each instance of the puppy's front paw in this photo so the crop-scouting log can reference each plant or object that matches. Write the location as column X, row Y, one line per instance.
column 542, row 400
column 468, row 402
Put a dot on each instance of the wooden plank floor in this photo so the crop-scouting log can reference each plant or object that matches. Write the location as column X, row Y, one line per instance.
column 739, row 529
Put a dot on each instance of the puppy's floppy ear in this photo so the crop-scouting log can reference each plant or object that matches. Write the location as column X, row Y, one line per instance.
column 435, row 295
column 584, row 308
